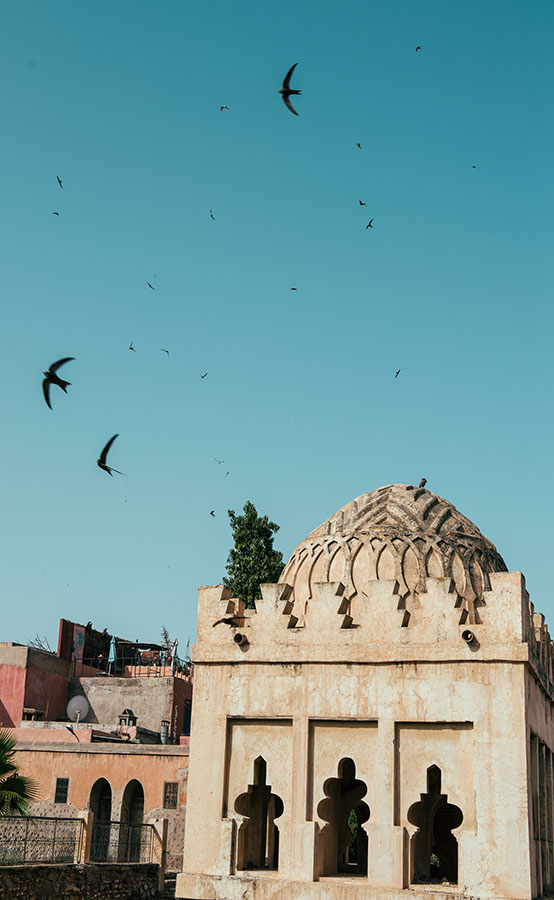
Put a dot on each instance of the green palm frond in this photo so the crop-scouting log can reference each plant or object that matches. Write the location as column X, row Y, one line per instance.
column 16, row 791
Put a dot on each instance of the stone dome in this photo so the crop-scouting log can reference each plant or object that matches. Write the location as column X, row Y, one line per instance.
column 398, row 533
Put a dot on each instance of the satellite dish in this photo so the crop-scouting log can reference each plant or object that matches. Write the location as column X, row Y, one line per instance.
column 77, row 708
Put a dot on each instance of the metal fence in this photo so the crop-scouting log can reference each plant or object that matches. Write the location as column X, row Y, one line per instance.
column 132, row 667
column 29, row 839
column 121, row 842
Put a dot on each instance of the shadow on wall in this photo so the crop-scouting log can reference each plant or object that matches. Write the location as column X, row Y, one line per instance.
column 5, row 718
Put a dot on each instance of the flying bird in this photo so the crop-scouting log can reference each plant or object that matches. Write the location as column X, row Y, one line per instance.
column 50, row 377
column 234, row 621
column 150, row 286
column 359, row 146
column 227, row 473
column 212, row 215
column 474, row 167
column 369, row 225
column 293, row 289
column 221, row 108
column 131, row 347
column 59, row 181
column 423, row 482
column 397, row 373
column 286, row 91
column 55, row 214
column 417, row 48
column 101, row 461
column 361, row 202
column 165, row 351
column 219, row 461
column 204, row 375
column 212, row 513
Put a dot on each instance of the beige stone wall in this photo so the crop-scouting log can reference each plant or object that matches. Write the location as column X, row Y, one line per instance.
column 352, row 681
column 150, row 698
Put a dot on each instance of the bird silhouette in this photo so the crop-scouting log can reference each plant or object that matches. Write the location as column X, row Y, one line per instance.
column 131, row 347
column 361, row 202
column 150, row 286
column 50, row 378
column 286, row 91
column 397, row 373
column 212, row 215
column 55, row 214
column 219, row 461
column 474, row 167
column 369, row 225
column 233, row 621
column 359, row 146
column 101, row 461
column 165, row 351
column 221, row 108
column 227, row 473
column 423, row 482
column 204, row 375
column 417, row 48
column 59, row 181
column 212, row 513
column 293, row 289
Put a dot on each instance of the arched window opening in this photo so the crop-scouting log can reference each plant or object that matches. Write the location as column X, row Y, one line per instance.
column 433, row 847
column 343, row 840
column 100, row 803
column 258, row 836
column 132, row 811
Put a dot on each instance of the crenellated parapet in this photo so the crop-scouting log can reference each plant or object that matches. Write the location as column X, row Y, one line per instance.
column 380, row 625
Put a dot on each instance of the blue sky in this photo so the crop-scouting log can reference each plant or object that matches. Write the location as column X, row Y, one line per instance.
column 453, row 285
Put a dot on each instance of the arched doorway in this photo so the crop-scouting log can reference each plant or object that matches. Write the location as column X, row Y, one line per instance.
column 132, row 811
column 343, row 841
column 100, row 803
column 258, row 836
column 433, row 847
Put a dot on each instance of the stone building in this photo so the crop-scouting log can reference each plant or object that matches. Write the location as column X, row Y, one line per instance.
column 381, row 723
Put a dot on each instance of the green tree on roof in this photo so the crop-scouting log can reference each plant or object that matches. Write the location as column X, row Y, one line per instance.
column 252, row 560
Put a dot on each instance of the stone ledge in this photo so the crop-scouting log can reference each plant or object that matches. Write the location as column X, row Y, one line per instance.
column 267, row 887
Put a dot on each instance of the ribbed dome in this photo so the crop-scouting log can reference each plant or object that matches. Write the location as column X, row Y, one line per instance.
column 396, row 533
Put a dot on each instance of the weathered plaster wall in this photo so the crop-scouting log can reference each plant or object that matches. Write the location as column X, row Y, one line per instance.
column 150, row 698
column 30, row 678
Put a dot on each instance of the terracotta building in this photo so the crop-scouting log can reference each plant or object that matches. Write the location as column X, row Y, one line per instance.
column 384, row 719
column 101, row 725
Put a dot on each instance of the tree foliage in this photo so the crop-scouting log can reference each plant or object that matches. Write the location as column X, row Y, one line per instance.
column 16, row 791
column 252, row 560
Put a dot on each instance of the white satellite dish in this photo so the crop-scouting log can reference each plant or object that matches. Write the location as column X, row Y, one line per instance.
column 78, row 707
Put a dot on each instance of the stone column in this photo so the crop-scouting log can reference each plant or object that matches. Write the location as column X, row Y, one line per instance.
column 160, row 845
column 385, row 839
column 83, row 851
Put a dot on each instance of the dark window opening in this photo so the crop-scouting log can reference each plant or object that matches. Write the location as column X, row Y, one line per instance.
column 343, row 841
column 258, row 836
column 434, row 849
column 62, row 787
column 171, row 792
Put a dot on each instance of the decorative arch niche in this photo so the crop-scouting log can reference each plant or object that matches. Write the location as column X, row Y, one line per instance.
column 132, row 812
column 343, row 841
column 100, row 802
column 433, row 847
column 258, row 835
